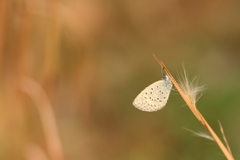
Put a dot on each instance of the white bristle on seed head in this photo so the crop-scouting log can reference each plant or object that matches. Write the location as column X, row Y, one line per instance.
column 155, row 96
column 190, row 87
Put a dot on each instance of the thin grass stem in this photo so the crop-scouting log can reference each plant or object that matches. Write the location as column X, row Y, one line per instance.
column 197, row 114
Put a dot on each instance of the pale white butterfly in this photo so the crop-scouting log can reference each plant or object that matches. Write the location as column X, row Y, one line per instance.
column 155, row 96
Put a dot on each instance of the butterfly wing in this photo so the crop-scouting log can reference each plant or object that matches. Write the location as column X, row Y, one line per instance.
column 154, row 97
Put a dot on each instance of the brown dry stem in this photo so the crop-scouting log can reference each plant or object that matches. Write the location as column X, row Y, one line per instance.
column 197, row 114
column 224, row 137
column 45, row 109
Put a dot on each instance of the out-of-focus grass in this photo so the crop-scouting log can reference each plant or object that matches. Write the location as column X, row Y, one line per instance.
column 91, row 58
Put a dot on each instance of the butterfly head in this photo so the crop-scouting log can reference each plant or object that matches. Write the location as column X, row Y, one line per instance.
column 166, row 78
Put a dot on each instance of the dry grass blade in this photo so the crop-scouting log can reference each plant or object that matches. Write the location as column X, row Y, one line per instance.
column 195, row 111
column 224, row 137
column 36, row 92
column 35, row 152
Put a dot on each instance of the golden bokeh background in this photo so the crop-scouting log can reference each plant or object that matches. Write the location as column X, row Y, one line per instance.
column 70, row 70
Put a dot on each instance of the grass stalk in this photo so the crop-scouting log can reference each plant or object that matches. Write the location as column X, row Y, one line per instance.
column 47, row 117
column 197, row 114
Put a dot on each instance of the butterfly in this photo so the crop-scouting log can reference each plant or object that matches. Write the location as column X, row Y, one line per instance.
column 155, row 96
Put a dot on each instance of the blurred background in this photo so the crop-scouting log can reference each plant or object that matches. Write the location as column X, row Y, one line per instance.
column 70, row 70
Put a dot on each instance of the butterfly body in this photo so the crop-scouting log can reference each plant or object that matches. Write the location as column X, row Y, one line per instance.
column 155, row 96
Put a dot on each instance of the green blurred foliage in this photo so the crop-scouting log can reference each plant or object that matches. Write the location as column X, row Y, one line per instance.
column 91, row 58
